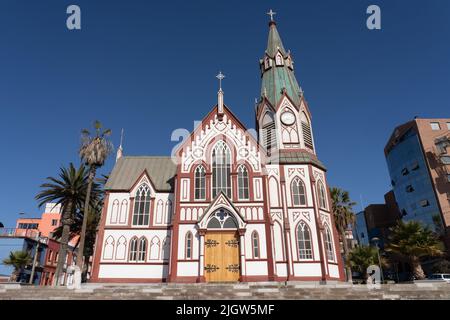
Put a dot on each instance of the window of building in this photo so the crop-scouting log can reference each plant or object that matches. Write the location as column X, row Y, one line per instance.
column 243, row 182
column 255, row 244
column 424, row 203
column 221, row 173
column 133, row 249
column 298, row 192
column 322, row 196
column 200, row 183
column 445, row 159
column 405, row 171
column 138, row 249
column 415, row 166
column 189, row 245
column 141, row 212
column 409, row 188
column 435, row 126
column 142, row 252
column 329, row 244
column 28, row 226
column 304, row 241
column 54, row 222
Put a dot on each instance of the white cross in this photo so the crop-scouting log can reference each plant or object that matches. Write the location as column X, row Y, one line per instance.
column 220, row 76
column 271, row 14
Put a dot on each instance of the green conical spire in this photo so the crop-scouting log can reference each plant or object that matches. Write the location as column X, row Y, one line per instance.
column 276, row 76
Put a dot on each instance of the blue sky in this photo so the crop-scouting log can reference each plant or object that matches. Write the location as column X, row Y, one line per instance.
column 149, row 67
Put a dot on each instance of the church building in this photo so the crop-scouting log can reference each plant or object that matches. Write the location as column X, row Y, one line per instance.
column 228, row 206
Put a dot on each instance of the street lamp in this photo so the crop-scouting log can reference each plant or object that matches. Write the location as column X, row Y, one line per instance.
column 376, row 240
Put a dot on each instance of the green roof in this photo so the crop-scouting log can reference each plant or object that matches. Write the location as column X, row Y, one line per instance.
column 278, row 77
column 128, row 169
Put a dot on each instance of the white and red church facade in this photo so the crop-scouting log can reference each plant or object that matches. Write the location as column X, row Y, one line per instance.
column 228, row 206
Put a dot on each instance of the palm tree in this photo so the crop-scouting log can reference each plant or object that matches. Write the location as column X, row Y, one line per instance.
column 91, row 228
column 69, row 191
column 360, row 258
column 19, row 260
column 412, row 241
column 344, row 219
column 94, row 151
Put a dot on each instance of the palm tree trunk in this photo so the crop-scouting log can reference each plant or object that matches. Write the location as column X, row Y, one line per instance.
column 348, row 270
column 66, row 220
column 80, row 254
column 417, row 268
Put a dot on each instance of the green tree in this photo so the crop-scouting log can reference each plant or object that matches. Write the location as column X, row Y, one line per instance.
column 94, row 151
column 360, row 258
column 413, row 242
column 18, row 260
column 344, row 219
column 69, row 190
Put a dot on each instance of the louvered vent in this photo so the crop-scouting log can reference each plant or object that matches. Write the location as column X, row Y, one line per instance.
column 307, row 136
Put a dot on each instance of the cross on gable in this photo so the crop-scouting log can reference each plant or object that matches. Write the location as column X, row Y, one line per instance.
column 220, row 76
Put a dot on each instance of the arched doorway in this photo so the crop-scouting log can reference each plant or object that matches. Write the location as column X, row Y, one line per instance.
column 222, row 248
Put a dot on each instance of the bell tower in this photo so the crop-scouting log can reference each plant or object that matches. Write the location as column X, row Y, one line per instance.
column 282, row 114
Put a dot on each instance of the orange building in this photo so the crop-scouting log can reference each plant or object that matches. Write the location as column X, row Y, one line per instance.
column 46, row 224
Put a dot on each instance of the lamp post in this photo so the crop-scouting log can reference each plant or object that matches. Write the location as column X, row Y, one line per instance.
column 376, row 240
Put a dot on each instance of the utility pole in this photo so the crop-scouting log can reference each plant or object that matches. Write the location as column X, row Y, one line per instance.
column 38, row 239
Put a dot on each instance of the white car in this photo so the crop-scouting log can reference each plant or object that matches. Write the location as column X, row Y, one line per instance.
column 438, row 277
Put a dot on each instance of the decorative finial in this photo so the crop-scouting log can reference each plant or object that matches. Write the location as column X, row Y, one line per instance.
column 271, row 14
column 121, row 138
column 220, row 76
column 120, row 149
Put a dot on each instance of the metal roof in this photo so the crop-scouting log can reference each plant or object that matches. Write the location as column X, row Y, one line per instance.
column 278, row 77
column 127, row 170
column 297, row 157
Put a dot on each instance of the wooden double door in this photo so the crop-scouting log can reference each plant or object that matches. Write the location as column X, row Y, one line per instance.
column 222, row 256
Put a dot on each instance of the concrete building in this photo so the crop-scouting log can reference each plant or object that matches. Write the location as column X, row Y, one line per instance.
column 419, row 167
column 46, row 224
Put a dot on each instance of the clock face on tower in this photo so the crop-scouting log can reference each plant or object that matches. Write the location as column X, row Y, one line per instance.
column 288, row 118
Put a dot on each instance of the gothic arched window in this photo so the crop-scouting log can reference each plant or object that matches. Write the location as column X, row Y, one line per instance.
column 200, row 183
column 255, row 244
column 298, row 192
column 243, row 182
column 188, row 246
column 304, row 241
column 279, row 59
column 141, row 212
column 221, row 172
column 142, row 250
column 322, row 195
column 133, row 249
column 329, row 244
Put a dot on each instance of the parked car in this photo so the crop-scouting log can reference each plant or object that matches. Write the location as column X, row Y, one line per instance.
column 437, row 277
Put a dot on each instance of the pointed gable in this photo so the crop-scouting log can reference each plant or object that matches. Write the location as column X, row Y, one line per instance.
column 243, row 144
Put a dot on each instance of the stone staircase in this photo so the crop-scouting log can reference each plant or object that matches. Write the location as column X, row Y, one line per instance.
column 245, row 291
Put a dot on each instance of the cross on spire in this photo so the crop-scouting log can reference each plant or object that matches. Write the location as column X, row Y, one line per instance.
column 220, row 76
column 271, row 13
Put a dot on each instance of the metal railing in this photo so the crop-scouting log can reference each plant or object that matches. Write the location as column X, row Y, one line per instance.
column 22, row 233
